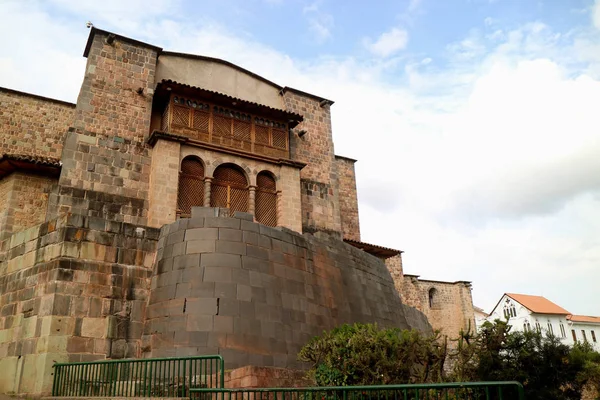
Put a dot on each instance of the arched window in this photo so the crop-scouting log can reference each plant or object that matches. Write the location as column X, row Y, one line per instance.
column 266, row 199
column 432, row 297
column 191, row 186
column 229, row 188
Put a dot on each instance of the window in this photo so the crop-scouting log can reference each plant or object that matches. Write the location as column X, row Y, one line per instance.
column 538, row 327
column 229, row 188
column 509, row 310
column 574, row 335
column 190, row 192
column 524, row 326
column 550, row 330
column 266, row 199
column 593, row 336
column 583, row 334
column 432, row 297
column 562, row 330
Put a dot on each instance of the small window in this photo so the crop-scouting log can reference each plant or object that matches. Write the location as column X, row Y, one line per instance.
column 593, row 336
column 550, row 330
column 525, row 326
column 432, row 297
column 574, row 335
column 583, row 334
column 538, row 327
column 562, row 331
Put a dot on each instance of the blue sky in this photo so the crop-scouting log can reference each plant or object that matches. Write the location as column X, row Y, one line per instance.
column 475, row 122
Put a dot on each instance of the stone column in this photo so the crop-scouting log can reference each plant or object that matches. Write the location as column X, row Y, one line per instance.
column 279, row 208
column 207, row 183
column 252, row 199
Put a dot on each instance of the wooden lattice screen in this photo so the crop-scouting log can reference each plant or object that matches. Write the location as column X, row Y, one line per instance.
column 229, row 189
column 266, row 199
column 191, row 186
column 226, row 127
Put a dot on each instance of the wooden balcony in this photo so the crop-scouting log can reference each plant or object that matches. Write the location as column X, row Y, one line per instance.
column 211, row 123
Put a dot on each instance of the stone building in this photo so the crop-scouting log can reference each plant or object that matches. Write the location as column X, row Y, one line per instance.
column 182, row 206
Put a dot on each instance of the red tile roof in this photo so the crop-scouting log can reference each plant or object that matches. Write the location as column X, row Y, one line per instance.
column 538, row 304
column 584, row 318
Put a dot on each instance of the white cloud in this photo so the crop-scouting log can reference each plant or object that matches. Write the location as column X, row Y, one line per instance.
column 485, row 159
column 320, row 23
column 596, row 14
column 388, row 43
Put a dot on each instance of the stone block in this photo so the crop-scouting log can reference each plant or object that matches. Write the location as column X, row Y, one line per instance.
column 201, row 289
column 257, row 252
column 207, row 306
column 220, row 260
column 203, row 212
column 186, row 261
column 200, row 246
column 229, row 307
column 243, row 216
column 199, row 323
column 233, row 235
column 223, row 324
column 243, row 292
column 195, row 223
column 217, row 274
column 227, row 247
column 175, row 237
column 202, row 234
column 219, row 222
column 249, row 226
column 250, row 237
column 94, row 327
column 225, row 290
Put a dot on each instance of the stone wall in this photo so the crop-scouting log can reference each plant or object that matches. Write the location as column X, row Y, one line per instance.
column 256, row 294
column 106, row 162
column 71, row 289
column 33, row 125
column 348, row 198
column 23, row 201
column 319, row 182
column 451, row 308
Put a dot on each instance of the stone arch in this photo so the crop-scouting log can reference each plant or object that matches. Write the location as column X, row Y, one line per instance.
column 190, row 188
column 241, row 166
column 266, row 198
column 229, row 188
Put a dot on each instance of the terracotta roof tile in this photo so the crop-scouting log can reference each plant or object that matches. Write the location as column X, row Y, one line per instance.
column 538, row 304
column 584, row 318
column 33, row 159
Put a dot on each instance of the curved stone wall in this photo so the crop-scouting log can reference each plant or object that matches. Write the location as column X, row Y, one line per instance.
column 256, row 294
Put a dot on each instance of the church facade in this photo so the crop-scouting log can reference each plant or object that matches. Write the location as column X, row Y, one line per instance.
column 182, row 206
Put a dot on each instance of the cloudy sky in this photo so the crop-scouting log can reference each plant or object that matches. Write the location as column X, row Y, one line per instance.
column 475, row 122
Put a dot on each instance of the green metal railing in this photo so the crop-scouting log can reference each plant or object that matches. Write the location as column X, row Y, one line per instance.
column 151, row 377
column 445, row 391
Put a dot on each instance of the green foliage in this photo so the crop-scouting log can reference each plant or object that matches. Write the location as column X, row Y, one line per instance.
column 363, row 354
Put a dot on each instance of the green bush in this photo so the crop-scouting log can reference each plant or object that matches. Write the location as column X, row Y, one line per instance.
column 363, row 354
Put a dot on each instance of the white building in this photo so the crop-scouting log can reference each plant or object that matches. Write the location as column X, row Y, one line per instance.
column 525, row 312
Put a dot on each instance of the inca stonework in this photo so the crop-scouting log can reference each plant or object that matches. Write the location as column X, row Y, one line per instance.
column 183, row 206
